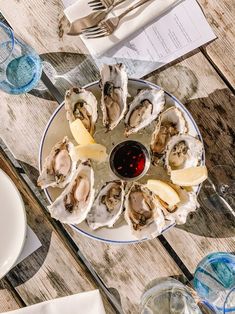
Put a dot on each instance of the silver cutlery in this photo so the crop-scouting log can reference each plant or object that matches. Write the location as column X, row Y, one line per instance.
column 93, row 19
column 107, row 27
column 100, row 4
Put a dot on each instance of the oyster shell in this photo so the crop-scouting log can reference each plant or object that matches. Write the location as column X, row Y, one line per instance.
column 59, row 166
column 182, row 151
column 144, row 108
column 114, row 94
column 108, row 205
column 73, row 205
column 81, row 104
column 143, row 212
column 188, row 203
column 171, row 122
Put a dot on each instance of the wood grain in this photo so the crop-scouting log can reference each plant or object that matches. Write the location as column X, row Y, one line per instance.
column 8, row 300
column 220, row 15
column 52, row 271
column 38, row 25
column 128, row 268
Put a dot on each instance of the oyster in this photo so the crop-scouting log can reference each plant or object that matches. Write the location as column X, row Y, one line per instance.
column 114, row 94
column 171, row 122
column 188, row 203
column 144, row 108
column 81, row 104
column 59, row 166
column 108, row 205
column 182, row 151
column 143, row 212
column 73, row 205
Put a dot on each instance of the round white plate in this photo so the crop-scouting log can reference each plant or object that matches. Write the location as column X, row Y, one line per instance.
column 12, row 224
column 58, row 127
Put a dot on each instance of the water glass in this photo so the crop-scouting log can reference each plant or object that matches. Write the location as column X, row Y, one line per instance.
column 20, row 65
column 170, row 296
column 214, row 281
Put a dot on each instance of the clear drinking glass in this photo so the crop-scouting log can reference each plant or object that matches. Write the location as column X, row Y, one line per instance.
column 170, row 296
column 214, row 281
column 20, row 65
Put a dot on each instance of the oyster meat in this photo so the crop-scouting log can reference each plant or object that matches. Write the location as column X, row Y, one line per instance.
column 114, row 94
column 108, row 205
column 81, row 104
column 59, row 166
column 182, row 151
column 143, row 212
column 73, row 205
column 144, row 108
column 188, row 203
column 171, row 122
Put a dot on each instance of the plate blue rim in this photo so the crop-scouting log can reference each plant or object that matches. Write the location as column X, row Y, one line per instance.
column 61, row 106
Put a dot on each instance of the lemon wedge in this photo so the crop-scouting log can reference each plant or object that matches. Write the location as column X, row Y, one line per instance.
column 164, row 191
column 80, row 133
column 94, row 151
column 189, row 176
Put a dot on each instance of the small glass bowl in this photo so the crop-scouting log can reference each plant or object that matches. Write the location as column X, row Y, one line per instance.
column 129, row 144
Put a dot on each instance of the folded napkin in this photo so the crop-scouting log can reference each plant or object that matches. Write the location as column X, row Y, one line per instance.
column 131, row 23
column 82, row 303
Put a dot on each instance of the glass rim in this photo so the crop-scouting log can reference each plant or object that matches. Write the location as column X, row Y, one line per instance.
column 8, row 29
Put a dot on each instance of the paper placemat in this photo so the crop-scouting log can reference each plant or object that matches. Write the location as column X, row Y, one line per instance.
column 32, row 243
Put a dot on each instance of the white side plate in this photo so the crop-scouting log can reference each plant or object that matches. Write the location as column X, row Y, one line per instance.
column 12, row 224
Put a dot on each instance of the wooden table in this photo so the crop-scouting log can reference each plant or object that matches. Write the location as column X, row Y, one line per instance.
column 68, row 262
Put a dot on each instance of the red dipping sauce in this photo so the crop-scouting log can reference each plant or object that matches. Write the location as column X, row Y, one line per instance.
column 129, row 159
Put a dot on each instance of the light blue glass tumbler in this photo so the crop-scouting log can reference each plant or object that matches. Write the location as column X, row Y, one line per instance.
column 214, row 281
column 20, row 65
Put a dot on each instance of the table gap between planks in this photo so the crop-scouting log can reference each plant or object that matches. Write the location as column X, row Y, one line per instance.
column 203, row 81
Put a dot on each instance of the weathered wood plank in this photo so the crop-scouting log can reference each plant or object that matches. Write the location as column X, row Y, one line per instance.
column 220, row 15
column 128, row 268
column 15, row 127
column 52, row 271
column 38, row 25
column 8, row 301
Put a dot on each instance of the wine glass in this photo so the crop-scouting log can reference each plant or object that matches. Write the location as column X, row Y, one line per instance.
column 20, row 65
column 219, row 189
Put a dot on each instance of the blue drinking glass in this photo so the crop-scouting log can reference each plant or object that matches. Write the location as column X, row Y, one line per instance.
column 20, row 65
column 214, row 281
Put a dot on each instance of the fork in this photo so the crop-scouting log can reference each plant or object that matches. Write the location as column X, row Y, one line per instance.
column 107, row 27
column 100, row 4
column 78, row 26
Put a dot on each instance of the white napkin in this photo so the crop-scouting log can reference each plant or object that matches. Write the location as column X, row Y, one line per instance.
column 82, row 303
column 131, row 23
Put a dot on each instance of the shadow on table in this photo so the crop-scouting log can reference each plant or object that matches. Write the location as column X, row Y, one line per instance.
column 66, row 69
column 215, row 117
column 32, row 264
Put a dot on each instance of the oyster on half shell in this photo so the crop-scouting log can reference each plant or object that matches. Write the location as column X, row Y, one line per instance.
column 188, row 203
column 171, row 122
column 59, row 166
column 108, row 205
column 114, row 94
column 144, row 109
column 81, row 104
column 143, row 212
column 73, row 205
column 182, row 151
